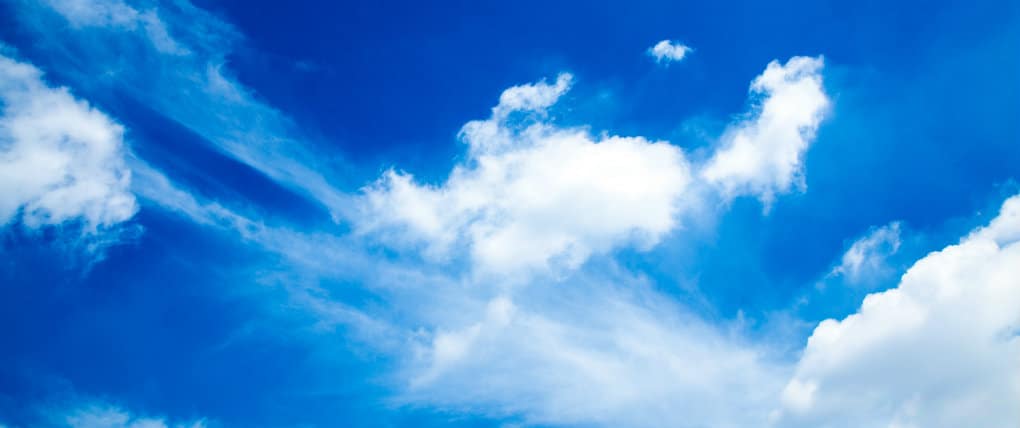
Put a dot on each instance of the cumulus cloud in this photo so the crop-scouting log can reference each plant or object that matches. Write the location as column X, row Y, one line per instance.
column 668, row 51
column 531, row 192
column 763, row 154
column 866, row 257
column 939, row 350
column 60, row 159
column 108, row 416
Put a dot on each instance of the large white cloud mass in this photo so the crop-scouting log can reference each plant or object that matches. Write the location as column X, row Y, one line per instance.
column 940, row 350
column 60, row 159
column 531, row 193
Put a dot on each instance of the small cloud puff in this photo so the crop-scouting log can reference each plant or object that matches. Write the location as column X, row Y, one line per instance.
column 866, row 256
column 668, row 51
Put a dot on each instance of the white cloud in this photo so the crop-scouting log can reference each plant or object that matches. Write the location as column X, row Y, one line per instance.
column 310, row 256
column 668, row 51
column 531, row 193
column 591, row 353
column 96, row 13
column 118, row 14
column 60, row 160
column 940, row 350
column 534, row 97
column 764, row 154
column 866, row 257
column 171, row 57
column 107, row 416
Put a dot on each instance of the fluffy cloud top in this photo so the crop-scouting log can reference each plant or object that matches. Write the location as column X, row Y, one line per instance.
column 763, row 155
column 940, row 350
column 60, row 159
column 531, row 193
column 668, row 51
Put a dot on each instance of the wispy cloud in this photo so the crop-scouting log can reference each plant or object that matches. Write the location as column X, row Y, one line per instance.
column 534, row 195
column 867, row 256
column 120, row 15
column 102, row 415
column 602, row 350
column 172, row 57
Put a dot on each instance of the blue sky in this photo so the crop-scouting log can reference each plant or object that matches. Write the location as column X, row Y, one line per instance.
column 719, row 214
